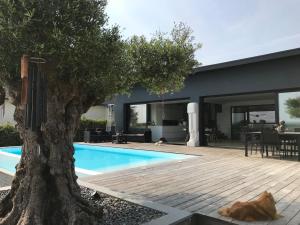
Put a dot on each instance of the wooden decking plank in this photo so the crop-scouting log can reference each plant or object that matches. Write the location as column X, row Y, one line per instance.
column 212, row 186
column 211, row 209
column 284, row 197
column 246, row 177
column 163, row 173
column 135, row 173
column 188, row 182
column 236, row 195
column 113, row 175
column 5, row 179
column 295, row 220
column 132, row 171
column 252, row 184
column 215, row 179
column 198, row 172
column 158, row 180
column 275, row 189
column 212, row 183
column 290, row 212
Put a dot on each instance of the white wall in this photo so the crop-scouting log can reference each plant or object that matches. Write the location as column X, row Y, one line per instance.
column 8, row 114
column 96, row 113
column 156, row 114
column 224, row 118
column 171, row 112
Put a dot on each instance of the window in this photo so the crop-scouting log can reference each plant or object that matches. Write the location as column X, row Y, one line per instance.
column 262, row 114
column 289, row 109
column 254, row 115
column 138, row 116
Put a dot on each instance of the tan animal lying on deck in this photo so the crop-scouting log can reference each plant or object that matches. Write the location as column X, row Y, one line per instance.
column 261, row 209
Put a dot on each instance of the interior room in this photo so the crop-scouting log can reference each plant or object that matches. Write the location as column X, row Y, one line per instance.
column 227, row 117
column 167, row 119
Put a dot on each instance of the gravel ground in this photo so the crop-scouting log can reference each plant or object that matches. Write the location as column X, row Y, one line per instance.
column 115, row 210
column 2, row 194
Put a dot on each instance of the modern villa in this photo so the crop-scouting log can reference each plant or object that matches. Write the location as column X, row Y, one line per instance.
column 193, row 184
column 250, row 92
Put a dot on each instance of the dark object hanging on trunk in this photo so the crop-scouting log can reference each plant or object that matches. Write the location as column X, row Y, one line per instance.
column 34, row 92
column 2, row 95
column 24, row 77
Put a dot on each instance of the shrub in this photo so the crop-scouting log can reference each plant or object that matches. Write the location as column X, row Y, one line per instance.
column 91, row 124
column 87, row 124
column 9, row 136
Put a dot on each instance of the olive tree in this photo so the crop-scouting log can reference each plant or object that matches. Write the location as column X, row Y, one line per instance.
column 293, row 107
column 87, row 62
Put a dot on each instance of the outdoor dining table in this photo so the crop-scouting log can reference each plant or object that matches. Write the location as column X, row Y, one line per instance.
column 287, row 134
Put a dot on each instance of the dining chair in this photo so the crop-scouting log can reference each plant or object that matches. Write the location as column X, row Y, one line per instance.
column 289, row 145
column 270, row 139
column 254, row 140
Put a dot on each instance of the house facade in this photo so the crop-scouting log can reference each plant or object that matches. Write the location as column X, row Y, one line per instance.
column 254, row 92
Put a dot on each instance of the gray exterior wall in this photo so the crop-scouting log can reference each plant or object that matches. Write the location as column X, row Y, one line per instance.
column 269, row 75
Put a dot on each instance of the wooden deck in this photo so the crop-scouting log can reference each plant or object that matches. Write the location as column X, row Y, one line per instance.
column 214, row 178
column 5, row 179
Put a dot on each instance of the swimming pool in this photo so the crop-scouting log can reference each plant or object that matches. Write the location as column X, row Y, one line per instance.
column 92, row 160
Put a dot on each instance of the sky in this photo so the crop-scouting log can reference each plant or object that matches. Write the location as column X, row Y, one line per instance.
column 227, row 29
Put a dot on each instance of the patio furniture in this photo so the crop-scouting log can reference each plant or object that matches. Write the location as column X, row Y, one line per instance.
column 270, row 139
column 291, row 144
column 143, row 137
column 255, row 141
column 249, row 137
column 211, row 135
column 97, row 136
column 119, row 138
column 284, row 142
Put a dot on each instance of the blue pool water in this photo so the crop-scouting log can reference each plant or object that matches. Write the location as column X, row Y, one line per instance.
column 92, row 160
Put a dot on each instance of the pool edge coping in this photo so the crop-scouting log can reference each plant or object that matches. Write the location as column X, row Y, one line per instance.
column 7, row 172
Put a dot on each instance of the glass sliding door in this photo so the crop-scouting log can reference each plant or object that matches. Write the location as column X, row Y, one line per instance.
column 239, row 118
column 254, row 117
column 289, row 109
column 138, row 117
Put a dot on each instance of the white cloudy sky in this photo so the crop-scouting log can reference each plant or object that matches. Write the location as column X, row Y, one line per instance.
column 228, row 29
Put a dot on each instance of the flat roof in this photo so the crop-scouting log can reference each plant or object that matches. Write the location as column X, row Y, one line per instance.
column 255, row 59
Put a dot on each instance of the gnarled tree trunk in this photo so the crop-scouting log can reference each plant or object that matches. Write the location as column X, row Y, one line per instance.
column 44, row 190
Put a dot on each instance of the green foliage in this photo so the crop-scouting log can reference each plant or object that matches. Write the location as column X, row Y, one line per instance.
column 85, row 53
column 72, row 35
column 91, row 124
column 9, row 136
column 86, row 124
column 293, row 107
column 162, row 63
